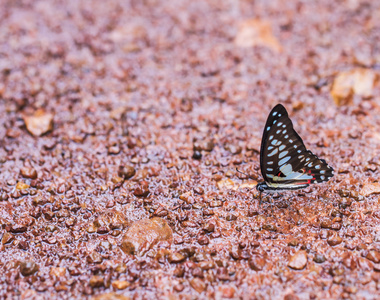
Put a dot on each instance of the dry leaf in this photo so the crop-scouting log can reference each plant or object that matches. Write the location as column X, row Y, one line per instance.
column 256, row 32
column 354, row 82
column 39, row 123
column 370, row 188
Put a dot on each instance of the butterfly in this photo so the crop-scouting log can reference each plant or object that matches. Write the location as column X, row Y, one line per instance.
column 285, row 162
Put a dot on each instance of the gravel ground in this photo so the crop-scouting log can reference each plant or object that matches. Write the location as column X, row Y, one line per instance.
column 124, row 122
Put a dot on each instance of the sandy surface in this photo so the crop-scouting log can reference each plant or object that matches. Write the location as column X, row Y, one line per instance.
column 123, row 123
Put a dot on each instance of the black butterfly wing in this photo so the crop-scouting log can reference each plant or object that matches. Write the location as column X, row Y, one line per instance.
column 276, row 113
column 285, row 161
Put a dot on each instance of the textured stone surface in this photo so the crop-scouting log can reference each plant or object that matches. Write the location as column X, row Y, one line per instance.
column 144, row 234
column 113, row 112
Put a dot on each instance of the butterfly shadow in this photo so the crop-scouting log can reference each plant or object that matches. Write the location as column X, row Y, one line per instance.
column 272, row 196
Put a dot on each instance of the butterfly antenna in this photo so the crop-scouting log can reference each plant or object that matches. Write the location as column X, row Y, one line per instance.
column 237, row 170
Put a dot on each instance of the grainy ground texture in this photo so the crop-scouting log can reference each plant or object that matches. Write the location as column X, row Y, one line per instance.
column 122, row 124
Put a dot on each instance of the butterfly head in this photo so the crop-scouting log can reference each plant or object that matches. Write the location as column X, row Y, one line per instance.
column 261, row 187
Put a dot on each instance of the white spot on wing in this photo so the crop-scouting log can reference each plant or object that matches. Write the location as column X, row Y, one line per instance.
column 294, row 175
column 282, row 154
column 305, row 176
column 274, row 142
column 271, row 137
column 273, row 152
column 322, row 177
column 275, row 113
column 268, row 128
column 284, row 160
column 282, row 147
column 317, row 167
column 287, row 169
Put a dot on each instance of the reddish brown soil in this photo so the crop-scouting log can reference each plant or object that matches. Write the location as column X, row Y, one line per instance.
column 118, row 111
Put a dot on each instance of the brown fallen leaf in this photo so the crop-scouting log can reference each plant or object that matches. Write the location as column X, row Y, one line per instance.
column 256, row 32
column 370, row 188
column 39, row 123
column 358, row 81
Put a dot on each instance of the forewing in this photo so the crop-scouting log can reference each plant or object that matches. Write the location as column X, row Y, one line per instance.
column 276, row 113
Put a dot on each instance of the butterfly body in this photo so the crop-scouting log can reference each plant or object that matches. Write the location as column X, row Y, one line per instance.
column 264, row 187
column 285, row 162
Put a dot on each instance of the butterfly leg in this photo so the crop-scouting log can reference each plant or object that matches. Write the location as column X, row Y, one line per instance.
column 271, row 205
column 270, row 201
column 261, row 198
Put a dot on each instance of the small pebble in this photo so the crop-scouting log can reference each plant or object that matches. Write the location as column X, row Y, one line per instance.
column 96, row 281
column 126, row 172
column 28, row 267
column 120, row 284
column 319, row 258
column 257, row 262
column 198, row 284
column 28, row 173
column 176, row 257
column 334, row 240
column 298, row 261
column 374, row 256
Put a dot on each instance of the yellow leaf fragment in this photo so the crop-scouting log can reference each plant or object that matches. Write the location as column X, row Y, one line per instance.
column 256, row 32
column 370, row 188
column 358, row 81
column 39, row 123
column 22, row 185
